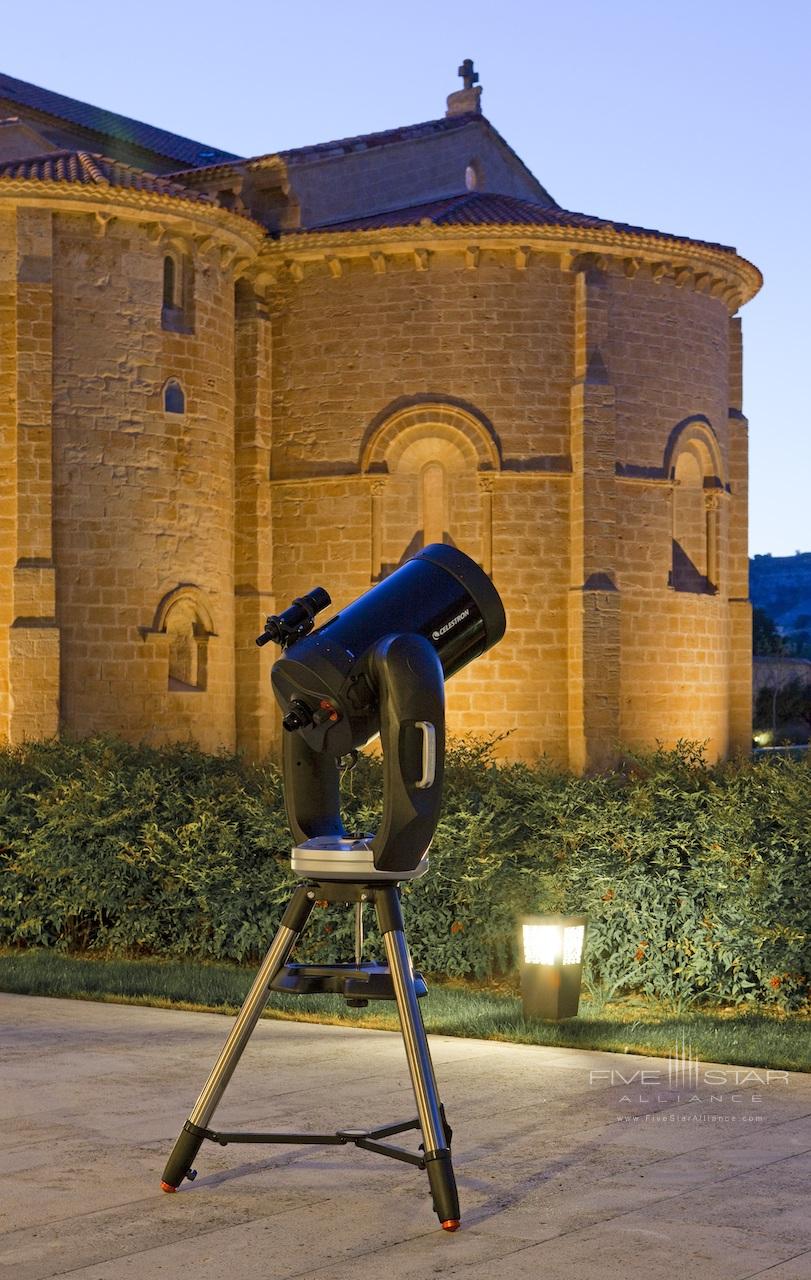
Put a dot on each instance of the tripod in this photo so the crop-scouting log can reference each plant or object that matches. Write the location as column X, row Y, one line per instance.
column 358, row 983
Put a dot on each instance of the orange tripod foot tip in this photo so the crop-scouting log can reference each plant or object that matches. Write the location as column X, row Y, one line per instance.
column 452, row 1224
column 167, row 1186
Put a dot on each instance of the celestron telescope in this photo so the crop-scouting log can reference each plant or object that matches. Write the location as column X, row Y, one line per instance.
column 378, row 666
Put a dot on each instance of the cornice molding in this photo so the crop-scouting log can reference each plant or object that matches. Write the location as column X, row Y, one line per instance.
column 165, row 213
column 717, row 272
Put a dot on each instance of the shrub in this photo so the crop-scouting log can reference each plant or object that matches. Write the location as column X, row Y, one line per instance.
column 697, row 880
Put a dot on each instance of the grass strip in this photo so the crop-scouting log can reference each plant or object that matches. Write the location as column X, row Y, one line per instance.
column 631, row 1025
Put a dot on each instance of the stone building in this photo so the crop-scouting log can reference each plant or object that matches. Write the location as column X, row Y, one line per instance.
column 227, row 380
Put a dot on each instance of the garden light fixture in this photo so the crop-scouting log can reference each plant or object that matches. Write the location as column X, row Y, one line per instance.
column 551, row 963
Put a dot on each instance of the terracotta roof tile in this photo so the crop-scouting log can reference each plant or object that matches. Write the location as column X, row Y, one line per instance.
column 479, row 208
column 124, row 129
column 86, row 169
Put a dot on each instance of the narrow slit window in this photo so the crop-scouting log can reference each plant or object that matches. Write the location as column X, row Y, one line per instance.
column 174, row 399
column 169, row 281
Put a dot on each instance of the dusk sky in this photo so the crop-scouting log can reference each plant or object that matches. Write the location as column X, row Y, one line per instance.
column 690, row 118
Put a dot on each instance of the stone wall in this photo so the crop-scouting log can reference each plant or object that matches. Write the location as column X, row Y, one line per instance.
column 143, row 498
column 571, row 420
column 590, row 384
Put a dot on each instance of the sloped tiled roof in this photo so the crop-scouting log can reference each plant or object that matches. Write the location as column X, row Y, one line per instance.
column 124, row 129
column 86, row 169
column 480, row 208
column 384, row 138
column 362, row 142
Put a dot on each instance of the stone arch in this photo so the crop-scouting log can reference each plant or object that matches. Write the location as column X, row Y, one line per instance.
column 429, row 457
column 402, row 423
column 184, row 618
column 694, row 465
column 695, row 435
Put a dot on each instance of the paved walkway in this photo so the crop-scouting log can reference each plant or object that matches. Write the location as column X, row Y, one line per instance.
column 571, row 1165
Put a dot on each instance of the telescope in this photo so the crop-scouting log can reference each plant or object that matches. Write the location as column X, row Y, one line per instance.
column 378, row 667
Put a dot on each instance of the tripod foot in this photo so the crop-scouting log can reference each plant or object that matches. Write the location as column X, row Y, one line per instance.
column 179, row 1164
column 443, row 1189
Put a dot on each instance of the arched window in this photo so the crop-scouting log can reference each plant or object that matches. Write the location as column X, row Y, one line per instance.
column 695, row 527
column 188, row 642
column 431, row 464
column 689, row 526
column 473, row 175
column 177, row 310
column 174, row 400
column 694, row 465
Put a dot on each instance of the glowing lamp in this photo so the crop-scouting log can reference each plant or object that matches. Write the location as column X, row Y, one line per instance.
column 551, row 963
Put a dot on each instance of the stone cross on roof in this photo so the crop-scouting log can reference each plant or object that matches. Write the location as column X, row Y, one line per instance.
column 466, row 101
column 469, row 76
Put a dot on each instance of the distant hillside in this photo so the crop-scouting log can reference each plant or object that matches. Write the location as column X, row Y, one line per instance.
column 781, row 586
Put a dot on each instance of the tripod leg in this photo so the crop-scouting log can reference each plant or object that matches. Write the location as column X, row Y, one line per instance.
column 432, row 1122
column 188, row 1144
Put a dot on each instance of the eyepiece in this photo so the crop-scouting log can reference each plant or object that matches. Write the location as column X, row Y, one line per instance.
column 298, row 717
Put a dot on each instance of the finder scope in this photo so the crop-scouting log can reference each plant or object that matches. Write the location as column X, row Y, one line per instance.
column 295, row 622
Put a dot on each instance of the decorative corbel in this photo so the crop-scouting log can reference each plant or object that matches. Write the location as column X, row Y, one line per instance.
column 296, row 271
column 242, row 264
column 421, row 259
column 102, row 222
column 228, row 256
column 589, row 262
column 630, row 266
column 472, row 256
column 205, row 244
column 378, row 263
column 335, row 267
column 264, row 278
column 522, row 257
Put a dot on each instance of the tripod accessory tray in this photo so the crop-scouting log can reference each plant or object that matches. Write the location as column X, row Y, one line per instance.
column 352, row 981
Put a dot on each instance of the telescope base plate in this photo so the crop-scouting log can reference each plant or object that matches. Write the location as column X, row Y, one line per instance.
column 341, row 858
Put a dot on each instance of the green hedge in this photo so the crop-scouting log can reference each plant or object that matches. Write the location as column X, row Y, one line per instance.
column 697, row 880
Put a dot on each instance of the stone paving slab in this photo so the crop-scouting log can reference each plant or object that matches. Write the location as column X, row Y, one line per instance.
column 571, row 1165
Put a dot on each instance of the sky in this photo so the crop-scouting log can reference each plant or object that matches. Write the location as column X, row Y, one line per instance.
column 692, row 118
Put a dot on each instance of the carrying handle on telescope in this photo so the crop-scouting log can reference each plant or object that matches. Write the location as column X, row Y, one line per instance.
column 407, row 674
